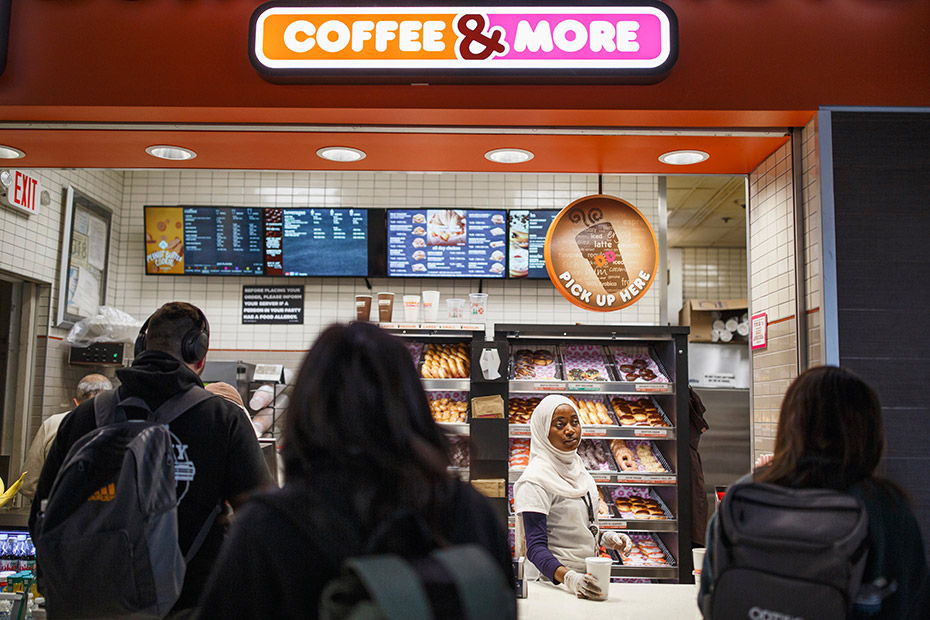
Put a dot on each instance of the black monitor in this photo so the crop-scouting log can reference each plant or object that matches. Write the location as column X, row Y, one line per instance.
column 526, row 234
column 254, row 241
column 446, row 243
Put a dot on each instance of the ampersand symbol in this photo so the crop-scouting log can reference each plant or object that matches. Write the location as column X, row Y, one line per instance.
column 476, row 34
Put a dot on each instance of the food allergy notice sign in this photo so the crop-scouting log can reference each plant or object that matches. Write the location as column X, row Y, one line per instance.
column 273, row 305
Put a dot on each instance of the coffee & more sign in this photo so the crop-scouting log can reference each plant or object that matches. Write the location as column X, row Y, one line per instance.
column 601, row 253
column 635, row 40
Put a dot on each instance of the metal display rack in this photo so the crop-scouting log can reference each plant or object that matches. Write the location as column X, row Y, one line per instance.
column 667, row 348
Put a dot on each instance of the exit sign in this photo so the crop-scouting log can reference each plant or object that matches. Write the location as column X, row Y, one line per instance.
column 23, row 191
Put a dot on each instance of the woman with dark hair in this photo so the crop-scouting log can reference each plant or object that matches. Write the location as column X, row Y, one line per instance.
column 366, row 472
column 831, row 436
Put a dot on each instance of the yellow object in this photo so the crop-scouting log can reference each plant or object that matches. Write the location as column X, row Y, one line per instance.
column 7, row 494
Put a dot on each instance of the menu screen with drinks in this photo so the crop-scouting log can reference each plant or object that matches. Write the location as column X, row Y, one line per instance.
column 316, row 242
column 526, row 239
column 446, row 243
column 252, row 241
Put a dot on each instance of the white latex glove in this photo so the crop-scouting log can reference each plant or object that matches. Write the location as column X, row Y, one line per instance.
column 765, row 459
column 581, row 584
column 617, row 540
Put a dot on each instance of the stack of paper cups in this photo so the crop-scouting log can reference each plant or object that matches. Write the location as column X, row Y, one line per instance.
column 698, row 557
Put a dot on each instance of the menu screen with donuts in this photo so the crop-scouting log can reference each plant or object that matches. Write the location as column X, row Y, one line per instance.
column 446, row 243
column 526, row 238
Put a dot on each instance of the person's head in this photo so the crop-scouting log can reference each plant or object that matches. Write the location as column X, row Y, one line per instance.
column 221, row 388
column 555, row 422
column 830, row 431
column 180, row 330
column 90, row 386
column 358, row 405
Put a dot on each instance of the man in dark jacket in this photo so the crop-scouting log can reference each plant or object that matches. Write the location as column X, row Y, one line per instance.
column 218, row 458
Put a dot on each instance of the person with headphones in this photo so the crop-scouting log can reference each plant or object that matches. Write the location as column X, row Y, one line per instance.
column 218, row 458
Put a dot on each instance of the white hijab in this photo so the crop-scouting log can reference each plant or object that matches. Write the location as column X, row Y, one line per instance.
column 561, row 473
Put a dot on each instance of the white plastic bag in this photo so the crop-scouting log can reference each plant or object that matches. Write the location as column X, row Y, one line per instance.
column 108, row 325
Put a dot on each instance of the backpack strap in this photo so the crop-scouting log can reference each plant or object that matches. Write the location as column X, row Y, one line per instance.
column 110, row 409
column 202, row 534
column 394, row 585
column 473, row 572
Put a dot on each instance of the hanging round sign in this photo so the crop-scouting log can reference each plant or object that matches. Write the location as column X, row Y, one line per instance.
column 601, row 253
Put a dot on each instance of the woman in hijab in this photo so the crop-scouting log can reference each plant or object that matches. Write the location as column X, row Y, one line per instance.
column 556, row 501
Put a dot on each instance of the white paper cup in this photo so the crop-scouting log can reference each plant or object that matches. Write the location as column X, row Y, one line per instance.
column 599, row 568
column 411, row 308
column 698, row 556
column 430, row 305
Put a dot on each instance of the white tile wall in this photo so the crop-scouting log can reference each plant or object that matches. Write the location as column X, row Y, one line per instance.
column 813, row 254
column 332, row 299
column 714, row 273
column 772, row 290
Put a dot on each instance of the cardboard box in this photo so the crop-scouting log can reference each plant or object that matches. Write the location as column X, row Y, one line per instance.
column 698, row 314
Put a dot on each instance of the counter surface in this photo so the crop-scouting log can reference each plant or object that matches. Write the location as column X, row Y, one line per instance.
column 626, row 601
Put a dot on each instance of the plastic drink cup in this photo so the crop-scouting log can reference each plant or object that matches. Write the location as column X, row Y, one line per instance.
column 479, row 304
column 698, row 557
column 599, row 568
column 430, row 305
column 385, row 307
column 456, row 308
column 362, row 307
column 411, row 308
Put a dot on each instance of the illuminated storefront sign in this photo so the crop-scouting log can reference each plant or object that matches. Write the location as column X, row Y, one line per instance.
column 638, row 40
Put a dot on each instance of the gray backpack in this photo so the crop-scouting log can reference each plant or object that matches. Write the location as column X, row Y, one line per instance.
column 107, row 535
column 786, row 553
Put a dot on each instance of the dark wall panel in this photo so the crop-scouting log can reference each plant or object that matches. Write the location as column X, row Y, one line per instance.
column 881, row 175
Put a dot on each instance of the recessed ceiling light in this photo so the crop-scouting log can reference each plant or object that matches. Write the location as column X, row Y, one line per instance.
column 172, row 153
column 341, row 153
column 683, row 158
column 9, row 152
column 509, row 156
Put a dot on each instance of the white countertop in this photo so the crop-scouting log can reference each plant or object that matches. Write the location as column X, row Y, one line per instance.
column 625, row 601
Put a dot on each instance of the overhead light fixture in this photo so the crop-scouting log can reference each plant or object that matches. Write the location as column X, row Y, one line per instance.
column 341, row 154
column 683, row 158
column 10, row 152
column 509, row 156
column 171, row 153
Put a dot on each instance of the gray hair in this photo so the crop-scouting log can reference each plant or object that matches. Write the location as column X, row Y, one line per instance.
column 91, row 385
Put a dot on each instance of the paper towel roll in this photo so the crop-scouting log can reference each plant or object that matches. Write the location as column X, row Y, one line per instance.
column 726, row 336
column 743, row 329
column 719, row 325
column 732, row 324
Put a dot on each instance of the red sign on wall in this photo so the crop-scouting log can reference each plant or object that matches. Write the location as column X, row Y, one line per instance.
column 23, row 192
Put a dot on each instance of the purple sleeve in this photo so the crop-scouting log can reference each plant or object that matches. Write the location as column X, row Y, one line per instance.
column 537, row 544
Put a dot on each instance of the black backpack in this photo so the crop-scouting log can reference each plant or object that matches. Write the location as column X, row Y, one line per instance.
column 455, row 582
column 107, row 536
column 785, row 554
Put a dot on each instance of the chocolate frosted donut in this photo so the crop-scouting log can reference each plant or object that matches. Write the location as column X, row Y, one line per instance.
column 631, row 376
column 627, row 368
column 640, row 364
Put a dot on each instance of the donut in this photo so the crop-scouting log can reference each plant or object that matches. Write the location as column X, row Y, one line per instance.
column 627, row 420
column 631, row 376
column 640, row 364
column 542, row 357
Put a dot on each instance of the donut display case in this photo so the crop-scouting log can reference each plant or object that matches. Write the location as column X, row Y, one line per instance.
column 629, row 385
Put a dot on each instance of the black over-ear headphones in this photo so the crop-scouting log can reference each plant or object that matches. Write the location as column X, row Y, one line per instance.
column 194, row 344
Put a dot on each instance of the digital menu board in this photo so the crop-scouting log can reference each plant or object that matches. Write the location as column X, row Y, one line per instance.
column 318, row 242
column 526, row 239
column 252, row 241
column 446, row 243
column 203, row 240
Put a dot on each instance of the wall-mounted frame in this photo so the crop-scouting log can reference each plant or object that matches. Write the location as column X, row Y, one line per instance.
column 85, row 256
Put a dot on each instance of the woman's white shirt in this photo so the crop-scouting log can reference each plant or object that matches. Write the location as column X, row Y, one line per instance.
column 567, row 522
